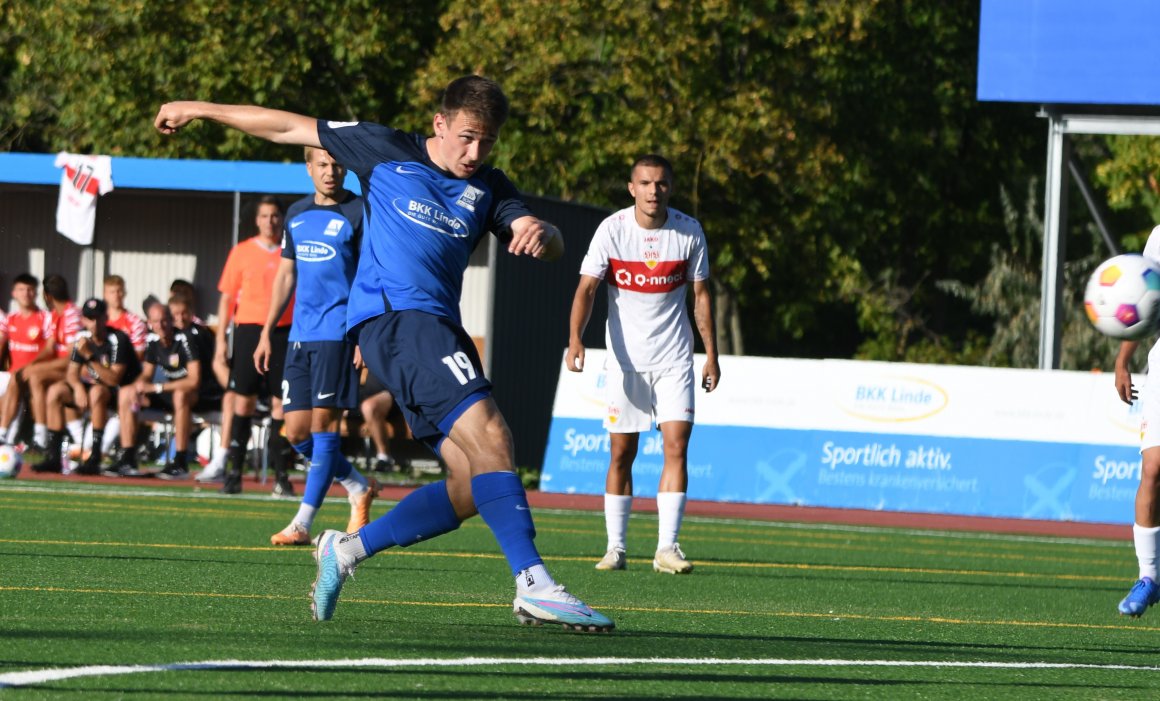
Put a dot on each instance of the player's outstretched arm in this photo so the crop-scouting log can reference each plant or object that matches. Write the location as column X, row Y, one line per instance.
column 1124, row 386
column 537, row 238
column 272, row 125
column 703, row 316
column 578, row 321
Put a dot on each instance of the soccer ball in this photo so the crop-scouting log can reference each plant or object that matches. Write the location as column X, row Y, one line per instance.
column 9, row 462
column 1122, row 298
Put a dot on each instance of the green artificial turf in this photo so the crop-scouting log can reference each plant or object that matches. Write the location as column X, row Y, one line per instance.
column 108, row 575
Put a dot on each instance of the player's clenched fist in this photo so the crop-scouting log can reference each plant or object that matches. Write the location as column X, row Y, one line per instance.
column 174, row 115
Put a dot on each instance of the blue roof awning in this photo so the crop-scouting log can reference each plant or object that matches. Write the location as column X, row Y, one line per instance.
column 174, row 174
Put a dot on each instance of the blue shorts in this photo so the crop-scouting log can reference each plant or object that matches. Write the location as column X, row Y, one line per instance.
column 431, row 366
column 319, row 374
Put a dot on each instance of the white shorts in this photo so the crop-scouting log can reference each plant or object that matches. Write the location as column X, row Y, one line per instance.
column 1150, row 412
column 635, row 399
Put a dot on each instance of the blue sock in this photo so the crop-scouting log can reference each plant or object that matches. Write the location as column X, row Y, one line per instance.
column 306, row 448
column 503, row 504
column 321, row 474
column 341, row 467
column 423, row 514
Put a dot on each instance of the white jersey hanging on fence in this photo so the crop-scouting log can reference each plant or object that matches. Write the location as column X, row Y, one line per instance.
column 83, row 180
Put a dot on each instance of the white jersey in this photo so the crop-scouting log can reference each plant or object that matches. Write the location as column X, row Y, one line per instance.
column 647, row 271
column 84, row 179
column 1152, row 253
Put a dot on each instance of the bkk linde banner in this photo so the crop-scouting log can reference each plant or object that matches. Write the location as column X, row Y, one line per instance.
column 886, row 436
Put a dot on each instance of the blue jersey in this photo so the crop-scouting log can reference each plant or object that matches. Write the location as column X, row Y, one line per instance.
column 422, row 222
column 324, row 240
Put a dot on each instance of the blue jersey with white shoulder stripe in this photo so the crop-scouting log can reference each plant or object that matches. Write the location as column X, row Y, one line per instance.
column 324, row 242
column 422, row 222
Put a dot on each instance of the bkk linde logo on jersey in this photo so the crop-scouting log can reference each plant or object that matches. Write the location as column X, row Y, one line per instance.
column 314, row 251
column 650, row 276
column 893, row 398
column 430, row 215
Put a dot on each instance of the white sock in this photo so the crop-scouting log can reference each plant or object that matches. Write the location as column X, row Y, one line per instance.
column 13, row 430
column 40, row 434
column 218, row 462
column 617, row 509
column 305, row 516
column 670, row 512
column 76, row 432
column 351, row 546
column 382, row 456
column 1146, row 542
column 534, row 580
column 354, row 483
column 112, row 433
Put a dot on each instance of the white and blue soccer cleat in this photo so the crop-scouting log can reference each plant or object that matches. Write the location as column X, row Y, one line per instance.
column 1144, row 593
column 561, row 608
column 333, row 570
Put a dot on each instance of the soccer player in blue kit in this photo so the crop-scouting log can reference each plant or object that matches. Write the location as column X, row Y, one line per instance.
column 429, row 201
column 320, row 243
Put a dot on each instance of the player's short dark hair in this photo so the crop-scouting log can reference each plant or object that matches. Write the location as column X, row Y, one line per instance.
column 652, row 160
column 183, row 288
column 56, row 286
column 481, row 97
column 247, row 225
column 115, row 280
column 26, row 279
column 269, row 199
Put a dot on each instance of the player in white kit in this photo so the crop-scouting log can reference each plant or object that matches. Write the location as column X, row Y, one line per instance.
column 648, row 254
column 1146, row 527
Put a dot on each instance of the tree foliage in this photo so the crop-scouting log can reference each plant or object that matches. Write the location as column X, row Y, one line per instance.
column 88, row 76
column 1129, row 172
column 1010, row 294
column 834, row 151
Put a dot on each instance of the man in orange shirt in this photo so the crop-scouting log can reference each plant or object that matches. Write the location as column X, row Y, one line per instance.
column 27, row 332
column 246, row 285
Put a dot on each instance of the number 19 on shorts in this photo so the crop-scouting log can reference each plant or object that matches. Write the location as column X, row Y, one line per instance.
column 460, row 366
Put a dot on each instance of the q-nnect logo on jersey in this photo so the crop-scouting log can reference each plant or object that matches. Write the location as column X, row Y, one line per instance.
column 314, row 251
column 430, row 215
column 893, row 399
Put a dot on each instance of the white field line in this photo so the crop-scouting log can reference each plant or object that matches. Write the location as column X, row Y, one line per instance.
column 210, row 492
column 42, row 676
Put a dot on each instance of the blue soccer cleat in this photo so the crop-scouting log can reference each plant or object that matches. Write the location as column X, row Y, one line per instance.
column 333, row 570
column 561, row 608
column 1145, row 592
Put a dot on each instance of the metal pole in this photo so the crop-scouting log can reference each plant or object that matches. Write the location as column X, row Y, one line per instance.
column 1094, row 208
column 1054, row 227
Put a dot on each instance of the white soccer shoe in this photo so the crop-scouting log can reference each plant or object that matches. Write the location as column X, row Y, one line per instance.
column 671, row 560
column 559, row 607
column 614, row 559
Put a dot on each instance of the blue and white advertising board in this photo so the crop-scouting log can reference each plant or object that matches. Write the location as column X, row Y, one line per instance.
column 887, row 436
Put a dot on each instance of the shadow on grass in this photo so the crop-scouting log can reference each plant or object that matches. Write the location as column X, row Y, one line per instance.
column 596, row 685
